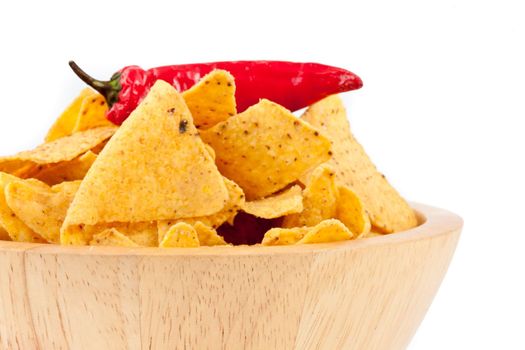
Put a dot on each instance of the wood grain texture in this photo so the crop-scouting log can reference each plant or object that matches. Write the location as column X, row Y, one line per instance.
column 364, row 294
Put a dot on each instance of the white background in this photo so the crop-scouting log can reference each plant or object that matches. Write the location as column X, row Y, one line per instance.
column 441, row 112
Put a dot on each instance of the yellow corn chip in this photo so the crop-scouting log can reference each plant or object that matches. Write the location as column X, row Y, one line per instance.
column 287, row 202
column 212, row 99
column 71, row 170
column 265, row 148
column 60, row 150
column 207, row 235
column 330, row 230
column 41, row 208
column 92, row 113
column 226, row 214
column 180, row 235
column 17, row 230
column 145, row 234
column 111, row 237
column 284, row 236
column 387, row 209
column 350, row 211
column 65, row 124
column 319, row 199
column 155, row 168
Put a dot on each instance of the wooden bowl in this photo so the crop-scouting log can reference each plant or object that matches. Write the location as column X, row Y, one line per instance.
column 364, row 294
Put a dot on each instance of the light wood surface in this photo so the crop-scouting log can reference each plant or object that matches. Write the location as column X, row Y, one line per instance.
column 365, row 294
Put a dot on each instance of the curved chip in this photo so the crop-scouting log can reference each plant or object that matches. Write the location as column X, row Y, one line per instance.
column 287, row 202
column 331, row 230
column 16, row 228
column 180, row 235
column 61, row 150
column 350, row 211
column 284, row 236
column 41, row 208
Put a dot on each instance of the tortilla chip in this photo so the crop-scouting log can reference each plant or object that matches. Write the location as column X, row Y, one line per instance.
column 154, row 168
column 71, row 170
column 265, row 148
column 65, row 124
column 331, row 230
column 145, row 234
column 387, row 209
column 111, row 237
column 212, row 99
column 284, row 236
column 319, row 199
column 287, row 202
column 350, row 211
column 41, row 208
column 92, row 113
column 180, row 235
column 60, row 150
column 17, row 230
column 207, row 235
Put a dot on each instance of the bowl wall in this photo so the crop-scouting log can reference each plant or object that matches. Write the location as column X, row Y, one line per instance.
column 364, row 294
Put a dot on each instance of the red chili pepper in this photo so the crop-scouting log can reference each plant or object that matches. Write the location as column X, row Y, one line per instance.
column 293, row 85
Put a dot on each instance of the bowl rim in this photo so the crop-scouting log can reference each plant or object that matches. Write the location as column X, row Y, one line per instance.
column 433, row 221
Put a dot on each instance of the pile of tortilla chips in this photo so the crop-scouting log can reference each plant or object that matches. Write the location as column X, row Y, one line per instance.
column 182, row 166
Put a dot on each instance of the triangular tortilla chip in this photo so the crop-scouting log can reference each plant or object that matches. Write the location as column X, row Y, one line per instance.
column 60, row 150
column 154, row 168
column 17, row 230
column 266, row 148
column 212, row 99
column 41, row 208
column 65, row 124
column 287, row 202
column 387, row 209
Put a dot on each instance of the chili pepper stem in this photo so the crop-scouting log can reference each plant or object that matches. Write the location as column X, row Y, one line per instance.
column 109, row 89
